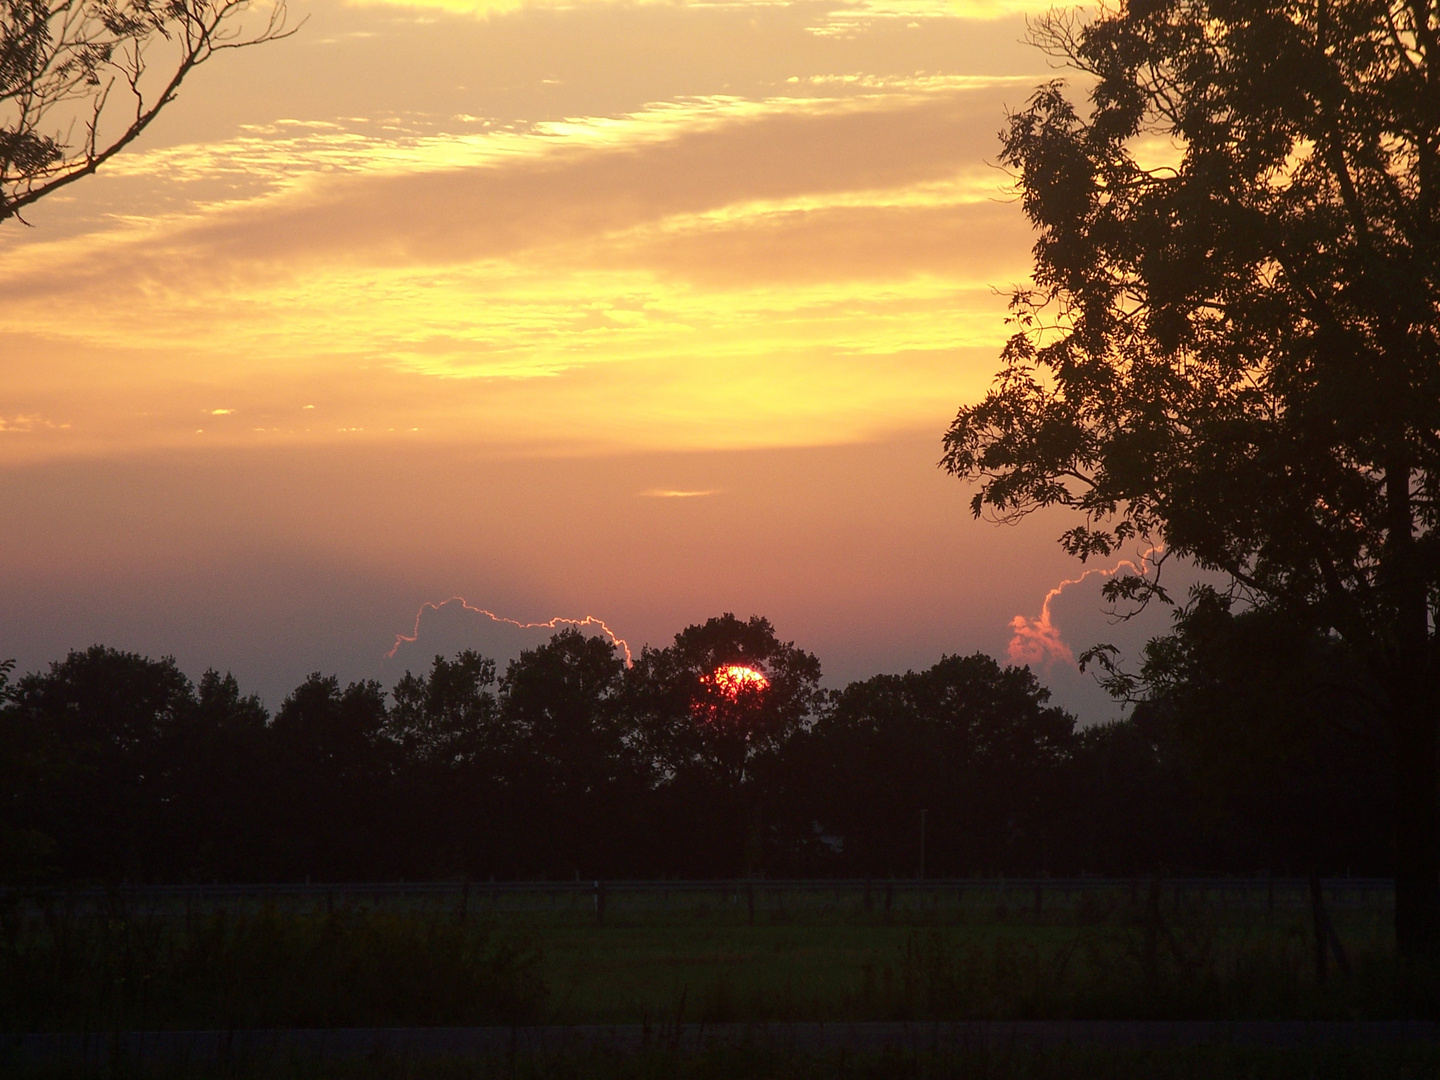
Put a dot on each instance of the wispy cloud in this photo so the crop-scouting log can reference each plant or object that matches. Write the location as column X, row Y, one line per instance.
column 619, row 222
column 798, row 259
column 671, row 493
column 892, row 9
column 27, row 422
column 847, row 18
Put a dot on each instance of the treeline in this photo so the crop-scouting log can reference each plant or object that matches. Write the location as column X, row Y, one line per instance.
column 1250, row 749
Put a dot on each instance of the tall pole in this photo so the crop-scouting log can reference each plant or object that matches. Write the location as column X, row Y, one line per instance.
column 922, row 843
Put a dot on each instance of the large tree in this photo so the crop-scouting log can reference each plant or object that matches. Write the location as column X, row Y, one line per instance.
column 93, row 737
column 710, row 716
column 975, row 746
column 1230, row 348
column 450, row 715
column 725, row 694
column 562, row 701
column 81, row 79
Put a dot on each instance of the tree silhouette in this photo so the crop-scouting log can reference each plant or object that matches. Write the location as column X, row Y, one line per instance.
column 573, row 769
column 450, row 715
column 562, row 700
column 114, row 766
column 220, row 823
column 691, row 721
column 711, row 734
column 81, row 79
column 333, row 773
column 1233, row 343
column 98, row 727
column 1282, row 747
column 974, row 744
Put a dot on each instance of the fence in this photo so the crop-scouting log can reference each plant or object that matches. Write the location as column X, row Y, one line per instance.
column 1036, row 896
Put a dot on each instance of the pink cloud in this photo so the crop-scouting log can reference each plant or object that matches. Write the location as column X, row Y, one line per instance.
column 1038, row 641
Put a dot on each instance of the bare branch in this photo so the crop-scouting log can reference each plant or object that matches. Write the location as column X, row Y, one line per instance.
column 60, row 65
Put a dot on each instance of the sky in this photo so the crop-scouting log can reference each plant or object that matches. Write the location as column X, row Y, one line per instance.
column 641, row 312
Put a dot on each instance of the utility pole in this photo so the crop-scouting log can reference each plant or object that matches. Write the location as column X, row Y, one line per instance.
column 922, row 843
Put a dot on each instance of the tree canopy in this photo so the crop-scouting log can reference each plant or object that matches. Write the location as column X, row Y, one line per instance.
column 115, row 767
column 1231, row 350
column 694, row 724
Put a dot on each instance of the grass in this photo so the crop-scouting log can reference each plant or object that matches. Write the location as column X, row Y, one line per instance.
column 1211, row 1063
column 127, row 966
column 1099, row 957
column 845, row 972
column 128, row 970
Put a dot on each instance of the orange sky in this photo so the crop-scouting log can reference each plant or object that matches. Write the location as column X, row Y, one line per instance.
column 438, row 299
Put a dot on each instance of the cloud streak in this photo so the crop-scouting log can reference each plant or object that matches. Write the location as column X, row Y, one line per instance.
column 584, row 622
column 1037, row 641
column 722, row 231
column 837, row 16
column 560, row 183
column 803, row 251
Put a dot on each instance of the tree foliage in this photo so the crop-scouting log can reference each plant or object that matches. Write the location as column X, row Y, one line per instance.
column 1277, row 724
column 694, row 725
column 1236, row 348
column 562, row 702
column 449, row 715
column 975, row 746
column 114, row 766
column 1232, row 346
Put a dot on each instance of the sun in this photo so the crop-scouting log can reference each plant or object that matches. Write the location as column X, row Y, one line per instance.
column 732, row 680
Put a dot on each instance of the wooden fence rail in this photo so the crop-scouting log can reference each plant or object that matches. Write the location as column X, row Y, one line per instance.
column 1036, row 891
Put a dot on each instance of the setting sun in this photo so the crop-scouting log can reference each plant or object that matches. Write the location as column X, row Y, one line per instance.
column 734, row 679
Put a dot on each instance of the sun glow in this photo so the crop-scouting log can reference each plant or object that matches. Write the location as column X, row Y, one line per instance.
column 732, row 680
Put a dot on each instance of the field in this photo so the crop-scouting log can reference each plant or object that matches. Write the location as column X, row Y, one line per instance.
column 1220, row 1063
column 671, row 953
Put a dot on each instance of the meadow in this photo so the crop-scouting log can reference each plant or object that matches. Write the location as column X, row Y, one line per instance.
column 1203, row 1063
column 722, row 953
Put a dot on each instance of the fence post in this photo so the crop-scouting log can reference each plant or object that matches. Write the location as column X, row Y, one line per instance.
column 1317, row 918
column 599, row 903
column 750, row 900
column 869, row 900
column 1150, row 952
column 1325, row 935
column 1039, row 899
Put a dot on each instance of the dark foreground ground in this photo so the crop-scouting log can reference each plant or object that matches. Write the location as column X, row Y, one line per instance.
column 1405, row 1061
column 953, row 981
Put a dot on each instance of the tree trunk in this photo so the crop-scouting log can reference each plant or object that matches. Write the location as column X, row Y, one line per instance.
column 1417, row 827
column 1413, row 715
